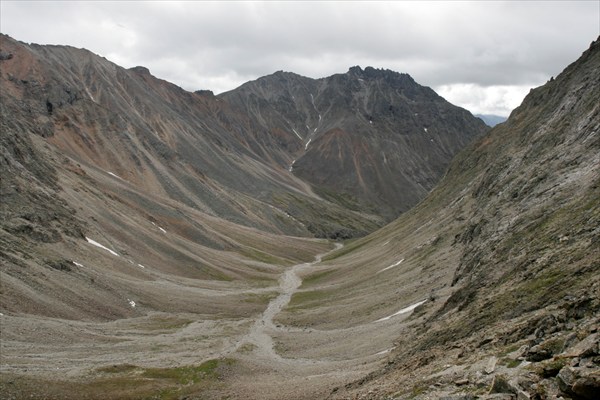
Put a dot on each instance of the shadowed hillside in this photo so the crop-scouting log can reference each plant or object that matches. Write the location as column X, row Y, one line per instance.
column 368, row 139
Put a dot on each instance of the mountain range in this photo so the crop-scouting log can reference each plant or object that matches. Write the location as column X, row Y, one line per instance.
column 158, row 243
column 491, row 119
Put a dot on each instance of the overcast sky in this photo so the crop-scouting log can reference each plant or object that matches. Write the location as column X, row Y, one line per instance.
column 484, row 56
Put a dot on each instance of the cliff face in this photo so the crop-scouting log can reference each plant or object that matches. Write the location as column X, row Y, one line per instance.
column 369, row 139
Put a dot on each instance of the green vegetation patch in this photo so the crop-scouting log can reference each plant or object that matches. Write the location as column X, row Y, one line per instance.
column 261, row 256
column 510, row 362
column 344, row 199
column 260, row 298
column 317, row 277
column 306, row 299
column 549, row 368
column 185, row 375
column 127, row 381
column 349, row 246
column 163, row 322
column 118, row 368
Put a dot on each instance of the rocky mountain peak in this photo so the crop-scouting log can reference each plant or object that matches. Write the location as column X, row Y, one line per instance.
column 140, row 70
column 331, row 126
column 392, row 77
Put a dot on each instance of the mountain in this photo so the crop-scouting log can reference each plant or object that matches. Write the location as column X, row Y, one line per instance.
column 368, row 139
column 132, row 208
column 491, row 119
column 500, row 264
column 189, row 147
column 154, row 243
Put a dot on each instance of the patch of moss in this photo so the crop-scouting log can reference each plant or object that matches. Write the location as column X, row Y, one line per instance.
column 126, row 381
column 344, row 199
column 315, row 278
column 260, row 298
column 549, row 368
column 305, row 299
column 261, row 256
column 510, row 362
column 184, row 375
column 349, row 246
column 417, row 390
column 163, row 323
column 118, row 368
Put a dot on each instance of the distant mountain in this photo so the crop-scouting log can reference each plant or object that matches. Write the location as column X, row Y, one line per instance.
column 491, row 119
column 371, row 139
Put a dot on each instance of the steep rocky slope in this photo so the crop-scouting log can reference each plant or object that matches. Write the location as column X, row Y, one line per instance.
column 190, row 147
column 501, row 263
column 368, row 139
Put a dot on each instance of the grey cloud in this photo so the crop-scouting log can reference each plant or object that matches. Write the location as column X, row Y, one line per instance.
column 195, row 44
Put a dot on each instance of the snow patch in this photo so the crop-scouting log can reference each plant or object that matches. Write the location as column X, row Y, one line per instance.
column 403, row 311
column 291, row 168
column 371, row 122
column 93, row 242
column 384, row 351
column 319, row 117
column 425, row 129
column 391, row 266
column 78, row 264
column 161, row 229
column 307, row 143
column 116, row 176
column 1, row 315
column 385, row 243
column 131, row 303
column 90, row 94
column 141, row 266
column 297, row 134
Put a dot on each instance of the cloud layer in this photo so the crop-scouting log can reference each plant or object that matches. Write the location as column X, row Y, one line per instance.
column 481, row 55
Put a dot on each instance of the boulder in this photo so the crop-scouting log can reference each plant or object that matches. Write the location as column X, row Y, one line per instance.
column 545, row 350
column 579, row 383
column 588, row 347
column 491, row 365
column 587, row 387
